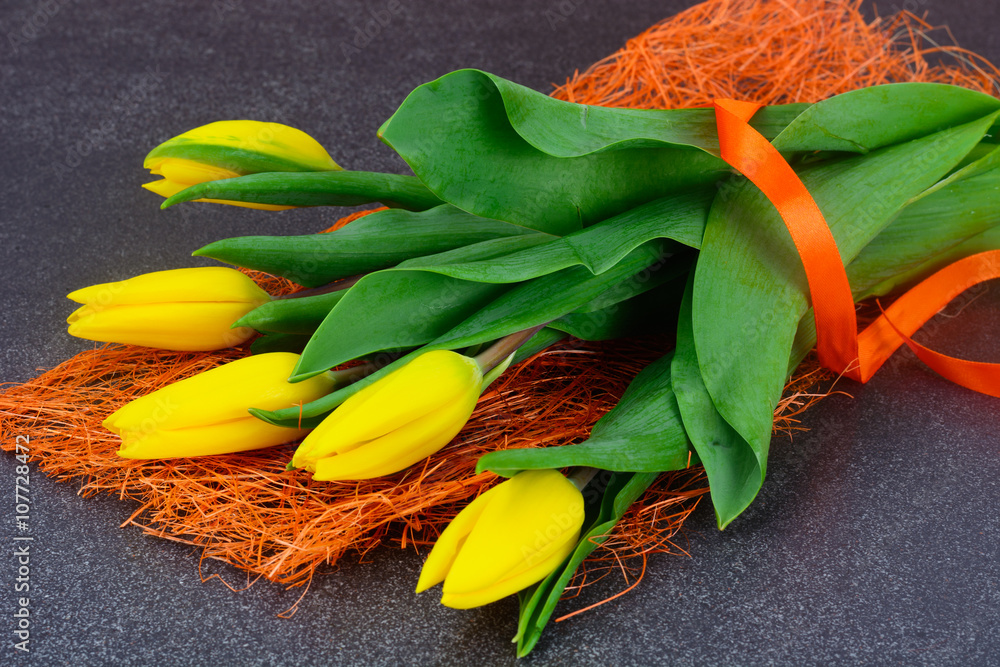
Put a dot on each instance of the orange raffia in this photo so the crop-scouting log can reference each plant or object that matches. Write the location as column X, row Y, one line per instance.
column 244, row 509
column 773, row 52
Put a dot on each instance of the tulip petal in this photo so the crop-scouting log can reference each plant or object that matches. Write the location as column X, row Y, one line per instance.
column 450, row 542
column 82, row 311
column 238, row 435
column 221, row 394
column 538, row 513
column 519, row 580
column 100, row 295
column 200, row 284
column 189, row 172
column 427, row 384
column 168, row 326
column 165, row 188
column 183, row 309
column 398, row 449
column 245, row 146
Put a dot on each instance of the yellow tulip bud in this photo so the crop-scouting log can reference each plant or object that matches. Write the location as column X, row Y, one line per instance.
column 396, row 421
column 508, row 538
column 231, row 148
column 181, row 309
column 207, row 413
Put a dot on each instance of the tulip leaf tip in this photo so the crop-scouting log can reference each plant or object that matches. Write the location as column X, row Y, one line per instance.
column 299, row 376
column 240, row 323
column 484, row 465
column 184, row 195
column 263, row 415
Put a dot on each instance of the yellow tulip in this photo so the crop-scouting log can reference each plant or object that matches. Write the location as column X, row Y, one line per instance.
column 181, row 309
column 396, row 421
column 508, row 538
column 231, row 148
column 207, row 413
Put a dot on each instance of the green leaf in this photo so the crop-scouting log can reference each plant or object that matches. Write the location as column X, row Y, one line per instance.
column 299, row 315
column 954, row 221
column 927, row 235
column 651, row 312
column 367, row 319
column 522, row 307
column 279, row 342
column 323, row 188
column 397, row 309
column 567, row 130
column 643, row 433
column 962, row 206
column 484, row 253
column 502, row 151
column 749, row 289
column 377, row 241
column 551, row 296
column 863, row 120
column 400, row 308
column 734, row 468
column 391, row 311
column 680, row 218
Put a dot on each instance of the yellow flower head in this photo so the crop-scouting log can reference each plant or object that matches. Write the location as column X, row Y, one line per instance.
column 231, row 148
column 396, row 421
column 207, row 413
column 181, row 309
column 508, row 538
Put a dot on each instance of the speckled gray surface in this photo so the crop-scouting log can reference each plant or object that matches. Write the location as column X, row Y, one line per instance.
column 874, row 540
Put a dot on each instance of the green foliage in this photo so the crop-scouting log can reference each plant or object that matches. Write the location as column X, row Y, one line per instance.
column 323, row 188
column 643, row 433
column 504, row 151
column 377, row 241
column 597, row 222
column 300, row 315
column 749, row 288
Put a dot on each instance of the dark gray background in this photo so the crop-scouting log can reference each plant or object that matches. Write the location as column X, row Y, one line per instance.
column 874, row 540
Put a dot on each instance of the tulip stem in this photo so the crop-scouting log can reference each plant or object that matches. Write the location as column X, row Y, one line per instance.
column 495, row 354
column 581, row 476
column 335, row 286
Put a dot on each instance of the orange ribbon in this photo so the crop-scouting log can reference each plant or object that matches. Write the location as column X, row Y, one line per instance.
column 838, row 344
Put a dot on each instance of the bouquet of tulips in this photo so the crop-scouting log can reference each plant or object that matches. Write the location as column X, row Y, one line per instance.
column 529, row 220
